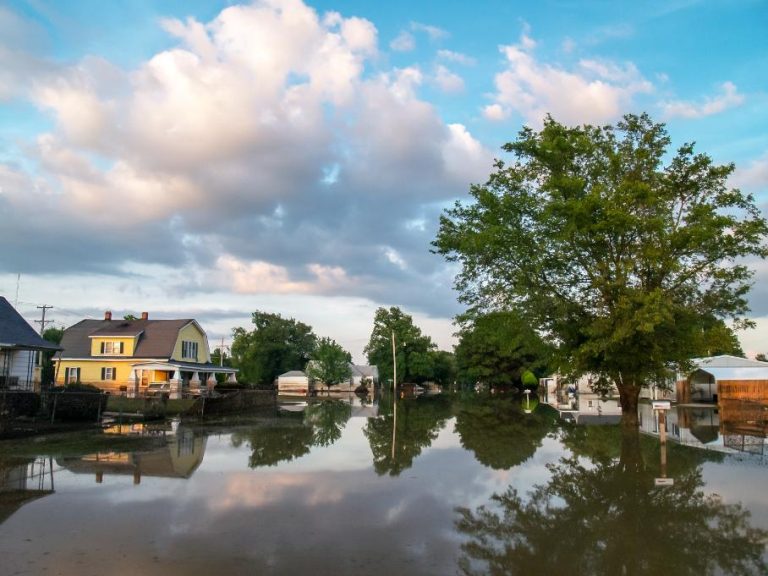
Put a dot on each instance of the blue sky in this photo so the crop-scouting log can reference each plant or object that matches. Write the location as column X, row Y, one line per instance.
column 209, row 159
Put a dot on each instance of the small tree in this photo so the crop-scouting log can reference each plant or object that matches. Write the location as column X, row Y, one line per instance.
column 329, row 363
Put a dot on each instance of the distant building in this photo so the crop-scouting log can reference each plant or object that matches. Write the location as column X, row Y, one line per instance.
column 723, row 377
column 297, row 383
column 577, row 396
column 139, row 357
column 293, row 383
column 20, row 346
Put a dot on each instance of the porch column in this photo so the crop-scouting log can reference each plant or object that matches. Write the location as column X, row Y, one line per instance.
column 176, row 385
column 232, row 378
column 133, row 384
column 210, row 383
column 194, row 382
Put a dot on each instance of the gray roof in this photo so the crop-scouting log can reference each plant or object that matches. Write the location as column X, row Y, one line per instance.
column 293, row 374
column 16, row 333
column 365, row 371
column 156, row 337
column 727, row 361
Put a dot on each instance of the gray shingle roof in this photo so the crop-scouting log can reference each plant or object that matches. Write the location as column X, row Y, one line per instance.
column 157, row 337
column 16, row 333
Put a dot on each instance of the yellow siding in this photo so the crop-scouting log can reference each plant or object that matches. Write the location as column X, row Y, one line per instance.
column 191, row 333
column 90, row 372
column 128, row 346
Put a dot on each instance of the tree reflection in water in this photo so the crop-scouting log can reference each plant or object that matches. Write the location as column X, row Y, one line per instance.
column 499, row 433
column 327, row 418
column 419, row 420
column 603, row 515
column 293, row 435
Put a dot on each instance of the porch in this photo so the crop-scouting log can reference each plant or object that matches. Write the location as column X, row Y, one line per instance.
column 176, row 379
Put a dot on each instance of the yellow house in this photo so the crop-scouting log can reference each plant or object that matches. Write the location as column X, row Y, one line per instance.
column 138, row 356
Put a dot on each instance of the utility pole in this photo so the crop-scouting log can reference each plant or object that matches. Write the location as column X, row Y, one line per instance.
column 221, row 352
column 43, row 322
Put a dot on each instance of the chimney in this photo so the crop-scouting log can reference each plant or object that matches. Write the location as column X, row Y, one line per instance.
column 108, row 315
column 145, row 315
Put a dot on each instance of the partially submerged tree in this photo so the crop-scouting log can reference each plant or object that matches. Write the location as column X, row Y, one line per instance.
column 496, row 348
column 412, row 348
column 274, row 346
column 329, row 363
column 618, row 257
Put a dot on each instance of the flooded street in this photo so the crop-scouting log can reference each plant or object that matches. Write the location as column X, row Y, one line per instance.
column 458, row 485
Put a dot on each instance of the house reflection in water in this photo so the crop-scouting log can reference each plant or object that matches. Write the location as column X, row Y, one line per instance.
column 576, row 401
column 22, row 481
column 731, row 426
column 179, row 458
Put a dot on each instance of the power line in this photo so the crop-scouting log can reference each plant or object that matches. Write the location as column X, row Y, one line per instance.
column 43, row 321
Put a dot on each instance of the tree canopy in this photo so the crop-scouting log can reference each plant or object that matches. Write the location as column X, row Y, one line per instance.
column 329, row 363
column 496, row 348
column 415, row 361
column 274, row 346
column 617, row 250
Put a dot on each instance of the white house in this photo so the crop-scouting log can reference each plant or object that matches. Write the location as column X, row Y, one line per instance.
column 293, row 383
column 577, row 395
column 19, row 348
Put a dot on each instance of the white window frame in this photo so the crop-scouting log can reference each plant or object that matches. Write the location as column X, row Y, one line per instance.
column 189, row 349
column 71, row 371
column 112, row 348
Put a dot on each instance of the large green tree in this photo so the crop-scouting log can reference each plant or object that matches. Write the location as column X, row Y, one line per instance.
column 615, row 248
column 329, row 364
column 412, row 348
column 496, row 348
column 274, row 346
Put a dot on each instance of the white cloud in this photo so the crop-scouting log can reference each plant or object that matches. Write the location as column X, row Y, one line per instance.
column 259, row 277
column 433, row 32
column 457, row 57
column 404, row 42
column 729, row 98
column 258, row 154
column 448, row 81
column 595, row 92
column 754, row 176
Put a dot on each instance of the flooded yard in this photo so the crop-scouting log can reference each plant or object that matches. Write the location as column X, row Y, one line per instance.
column 448, row 485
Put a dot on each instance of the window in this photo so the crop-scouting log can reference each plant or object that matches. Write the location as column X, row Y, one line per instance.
column 71, row 375
column 112, row 348
column 188, row 349
column 108, row 374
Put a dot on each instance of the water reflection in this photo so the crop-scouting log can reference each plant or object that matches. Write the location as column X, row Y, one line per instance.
column 320, row 488
column 499, row 432
column 731, row 426
column 292, row 432
column 601, row 512
column 23, row 480
column 181, row 455
column 395, row 442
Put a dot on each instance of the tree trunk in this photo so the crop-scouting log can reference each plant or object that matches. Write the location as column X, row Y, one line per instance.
column 629, row 394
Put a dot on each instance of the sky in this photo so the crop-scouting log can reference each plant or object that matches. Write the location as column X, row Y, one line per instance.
column 208, row 159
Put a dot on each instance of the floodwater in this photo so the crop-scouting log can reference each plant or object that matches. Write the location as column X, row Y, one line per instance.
column 459, row 485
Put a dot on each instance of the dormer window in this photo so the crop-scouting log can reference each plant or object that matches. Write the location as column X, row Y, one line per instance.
column 112, row 348
column 189, row 349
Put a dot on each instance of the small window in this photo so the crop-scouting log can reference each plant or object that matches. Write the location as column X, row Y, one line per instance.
column 188, row 349
column 108, row 374
column 109, row 348
column 71, row 375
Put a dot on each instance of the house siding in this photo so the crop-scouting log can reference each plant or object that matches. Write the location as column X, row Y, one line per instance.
column 192, row 333
column 129, row 345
